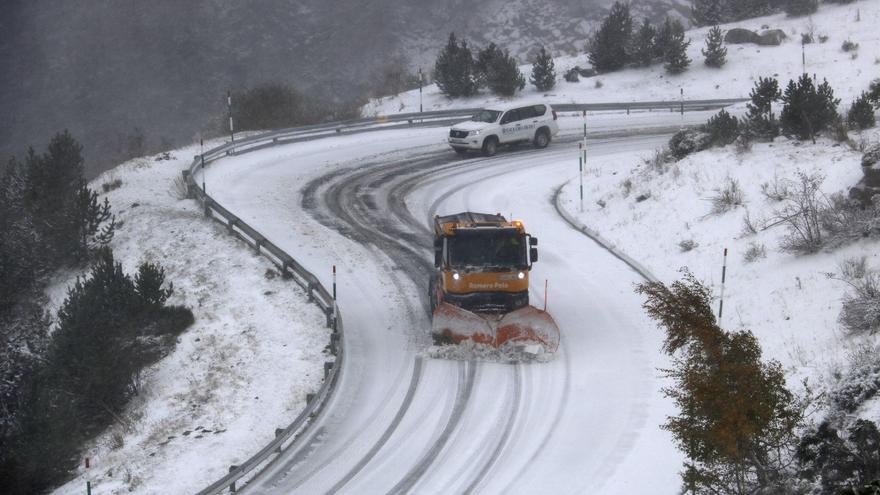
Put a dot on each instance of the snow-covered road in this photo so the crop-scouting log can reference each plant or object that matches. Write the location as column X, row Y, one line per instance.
column 402, row 422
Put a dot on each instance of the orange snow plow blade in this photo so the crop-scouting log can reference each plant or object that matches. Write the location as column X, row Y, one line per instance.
column 526, row 327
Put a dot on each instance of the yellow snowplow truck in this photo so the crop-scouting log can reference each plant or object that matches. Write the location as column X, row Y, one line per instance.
column 479, row 291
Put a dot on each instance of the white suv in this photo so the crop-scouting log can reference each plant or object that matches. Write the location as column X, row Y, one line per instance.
column 504, row 125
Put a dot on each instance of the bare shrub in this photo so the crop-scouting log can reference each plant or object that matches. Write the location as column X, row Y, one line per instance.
column 847, row 220
column 861, row 305
column 861, row 382
column 754, row 252
column 599, row 84
column 659, row 161
column 111, row 185
column 627, row 186
column 179, row 189
column 751, row 227
column 849, row 46
column 854, row 268
column 802, row 215
column 778, row 190
column 687, row 245
column 727, row 198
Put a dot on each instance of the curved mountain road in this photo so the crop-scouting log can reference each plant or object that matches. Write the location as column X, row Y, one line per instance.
column 402, row 422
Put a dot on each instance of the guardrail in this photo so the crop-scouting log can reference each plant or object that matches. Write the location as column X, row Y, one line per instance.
column 289, row 267
column 317, row 294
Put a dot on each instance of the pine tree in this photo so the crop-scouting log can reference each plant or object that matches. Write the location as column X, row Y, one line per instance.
column 795, row 8
column 149, row 282
column 454, row 69
column 484, row 62
column 715, row 52
column 503, row 76
column 874, row 92
column 808, row 110
column 643, row 49
column 707, row 12
column 91, row 220
column 861, row 113
column 736, row 417
column 609, row 46
column 676, row 57
column 760, row 120
column 738, row 10
column 663, row 39
column 543, row 71
column 722, row 128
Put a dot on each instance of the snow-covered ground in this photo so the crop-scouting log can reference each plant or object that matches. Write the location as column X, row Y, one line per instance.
column 848, row 73
column 788, row 301
column 243, row 369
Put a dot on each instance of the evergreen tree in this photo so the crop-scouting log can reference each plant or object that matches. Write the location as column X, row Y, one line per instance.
column 722, row 128
column 738, row 10
column 861, row 113
column 543, row 71
column 760, row 120
column 708, row 12
column 663, row 39
column 609, row 46
column 498, row 70
column 454, row 69
column 643, row 50
column 795, row 8
column 149, row 282
column 715, row 52
column 840, row 463
column 676, row 57
column 736, row 419
column 484, row 61
column 874, row 92
column 808, row 110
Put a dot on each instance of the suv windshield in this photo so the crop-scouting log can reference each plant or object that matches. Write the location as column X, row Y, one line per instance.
column 487, row 116
column 497, row 249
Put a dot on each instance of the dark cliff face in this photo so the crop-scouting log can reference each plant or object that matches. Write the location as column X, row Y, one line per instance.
column 109, row 70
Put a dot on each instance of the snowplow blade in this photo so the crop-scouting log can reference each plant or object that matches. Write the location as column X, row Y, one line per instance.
column 526, row 327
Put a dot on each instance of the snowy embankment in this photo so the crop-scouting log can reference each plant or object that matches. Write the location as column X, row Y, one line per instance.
column 243, row 369
column 848, row 73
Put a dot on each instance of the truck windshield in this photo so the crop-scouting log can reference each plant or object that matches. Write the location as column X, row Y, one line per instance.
column 487, row 116
column 493, row 249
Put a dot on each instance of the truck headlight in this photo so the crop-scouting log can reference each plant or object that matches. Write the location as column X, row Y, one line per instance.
column 456, row 276
column 521, row 275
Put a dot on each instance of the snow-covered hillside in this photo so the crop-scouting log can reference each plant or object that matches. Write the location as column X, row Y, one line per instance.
column 242, row 370
column 848, row 72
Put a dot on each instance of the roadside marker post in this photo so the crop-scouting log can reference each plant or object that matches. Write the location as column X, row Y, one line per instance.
column 334, row 282
column 229, row 107
column 581, row 175
column 202, row 154
column 723, row 278
column 546, row 282
column 88, row 481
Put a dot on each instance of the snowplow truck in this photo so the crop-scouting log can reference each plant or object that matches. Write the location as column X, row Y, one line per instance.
column 479, row 290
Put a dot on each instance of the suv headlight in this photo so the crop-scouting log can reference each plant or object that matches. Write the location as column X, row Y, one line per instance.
column 474, row 133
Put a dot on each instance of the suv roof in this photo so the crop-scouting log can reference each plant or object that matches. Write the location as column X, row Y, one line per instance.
column 503, row 107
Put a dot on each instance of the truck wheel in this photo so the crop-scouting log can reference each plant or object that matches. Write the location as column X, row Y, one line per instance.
column 490, row 146
column 542, row 138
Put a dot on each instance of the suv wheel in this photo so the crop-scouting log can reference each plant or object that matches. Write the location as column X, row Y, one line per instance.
column 542, row 138
column 490, row 146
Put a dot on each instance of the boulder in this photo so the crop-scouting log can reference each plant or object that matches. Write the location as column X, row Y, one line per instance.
column 737, row 36
column 871, row 166
column 771, row 37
